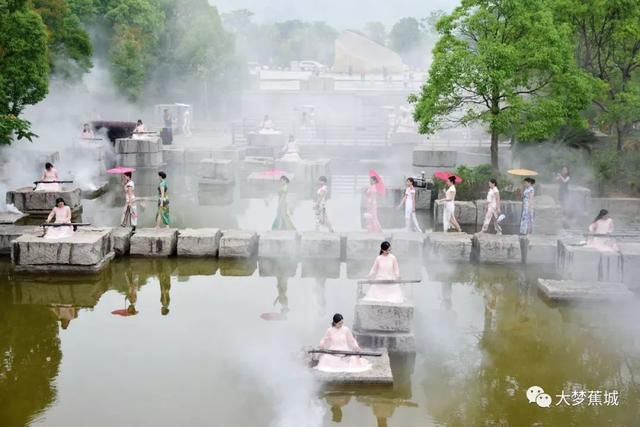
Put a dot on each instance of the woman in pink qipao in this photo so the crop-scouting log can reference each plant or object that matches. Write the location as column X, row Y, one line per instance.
column 339, row 337
column 385, row 267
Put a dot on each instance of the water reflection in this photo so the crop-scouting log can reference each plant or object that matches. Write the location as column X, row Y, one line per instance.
column 472, row 368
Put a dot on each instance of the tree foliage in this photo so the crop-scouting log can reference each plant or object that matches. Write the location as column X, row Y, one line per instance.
column 607, row 34
column 405, row 35
column 377, row 32
column 70, row 49
column 507, row 64
column 24, row 68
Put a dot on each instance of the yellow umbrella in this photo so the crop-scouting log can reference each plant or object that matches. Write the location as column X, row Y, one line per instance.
column 522, row 172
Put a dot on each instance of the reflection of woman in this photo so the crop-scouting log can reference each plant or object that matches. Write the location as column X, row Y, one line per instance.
column 62, row 214
column 527, row 218
column 385, row 267
column 371, row 216
column 49, row 175
column 602, row 225
column 337, row 403
column 283, row 220
column 165, row 289
column 339, row 337
column 65, row 313
column 282, row 298
column 162, row 217
column 132, row 294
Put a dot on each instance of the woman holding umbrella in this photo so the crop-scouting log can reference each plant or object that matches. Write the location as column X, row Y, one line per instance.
column 376, row 186
column 130, row 211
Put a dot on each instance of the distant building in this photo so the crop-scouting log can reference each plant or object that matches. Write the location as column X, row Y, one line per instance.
column 357, row 54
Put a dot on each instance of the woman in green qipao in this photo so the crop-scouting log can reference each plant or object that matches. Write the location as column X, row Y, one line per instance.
column 283, row 220
column 162, row 217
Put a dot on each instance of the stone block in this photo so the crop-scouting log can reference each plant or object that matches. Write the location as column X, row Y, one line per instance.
column 361, row 245
column 630, row 253
column 121, row 240
column 578, row 262
column 238, row 244
column 548, row 217
column 394, row 342
column 41, row 202
column 10, row 217
column 628, row 207
column 583, row 291
column 499, row 249
column 84, row 251
column 383, row 317
column 320, row 245
column 542, row 249
column 217, row 169
column 611, row 267
column 9, row 233
column 278, row 244
column 140, row 159
column 199, row 242
column 380, row 372
column 276, row 139
column 147, row 144
column 426, row 156
column 252, row 164
column 194, row 155
column 407, row 245
column 465, row 212
column 173, row 156
column 154, row 242
column 451, row 246
column 236, row 153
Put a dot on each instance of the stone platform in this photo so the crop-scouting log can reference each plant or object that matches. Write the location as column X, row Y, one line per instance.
column 394, row 342
column 154, row 242
column 238, row 244
column 281, row 244
column 84, row 251
column 362, row 245
column 581, row 291
column 491, row 248
column 379, row 373
column 589, row 264
column 323, row 245
column 374, row 316
column 41, row 202
column 9, row 233
column 199, row 242
column 451, row 246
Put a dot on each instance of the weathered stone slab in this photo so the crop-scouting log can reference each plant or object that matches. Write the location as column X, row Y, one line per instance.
column 140, row 159
column 213, row 192
column 9, row 233
column 252, row 164
column 407, row 245
column 217, row 168
column 199, row 242
column 380, row 372
column 630, row 253
column 10, row 218
column 361, row 245
column 548, row 216
column 194, row 155
column 154, row 242
column 583, row 291
column 383, row 317
column 320, row 245
column 121, row 240
column 83, row 251
column 278, row 244
column 41, row 202
column 425, row 155
column 611, row 267
column 450, row 246
column 465, row 212
column 578, row 262
column 276, row 139
column 499, row 249
column 542, row 249
column 394, row 342
column 618, row 206
column 238, row 244
column 147, row 144
column 173, row 156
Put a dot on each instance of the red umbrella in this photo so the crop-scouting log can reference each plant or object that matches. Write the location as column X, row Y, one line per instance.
column 444, row 176
column 274, row 172
column 120, row 170
column 380, row 188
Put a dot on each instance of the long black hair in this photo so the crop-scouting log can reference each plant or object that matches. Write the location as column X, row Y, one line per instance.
column 48, row 166
column 337, row 318
column 452, row 179
column 58, row 200
column 384, row 246
column 601, row 214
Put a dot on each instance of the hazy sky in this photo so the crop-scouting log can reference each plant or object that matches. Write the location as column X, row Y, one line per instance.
column 339, row 13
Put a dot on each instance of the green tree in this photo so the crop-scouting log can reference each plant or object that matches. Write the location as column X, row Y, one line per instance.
column 405, row 35
column 608, row 47
column 507, row 64
column 24, row 69
column 70, row 49
column 377, row 32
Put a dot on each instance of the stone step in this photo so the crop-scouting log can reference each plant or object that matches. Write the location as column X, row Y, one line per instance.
column 582, row 291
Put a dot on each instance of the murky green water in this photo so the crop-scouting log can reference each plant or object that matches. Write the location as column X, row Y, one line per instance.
column 198, row 353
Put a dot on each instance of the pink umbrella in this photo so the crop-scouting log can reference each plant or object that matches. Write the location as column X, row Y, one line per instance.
column 444, row 176
column 380, row 188
column 274, row 172
column 120, row 170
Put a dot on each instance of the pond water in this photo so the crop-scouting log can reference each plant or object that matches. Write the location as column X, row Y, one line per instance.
column 198, row 352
